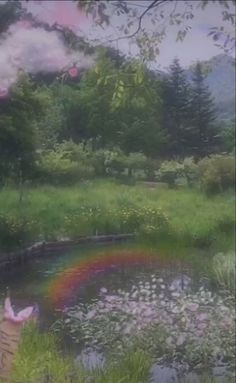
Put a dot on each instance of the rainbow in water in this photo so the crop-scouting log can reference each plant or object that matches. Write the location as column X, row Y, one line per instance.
column 62, row 288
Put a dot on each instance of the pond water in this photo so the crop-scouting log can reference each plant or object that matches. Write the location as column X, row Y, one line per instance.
column 92, row 282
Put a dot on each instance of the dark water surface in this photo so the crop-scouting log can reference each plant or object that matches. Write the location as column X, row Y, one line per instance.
column 31, row 283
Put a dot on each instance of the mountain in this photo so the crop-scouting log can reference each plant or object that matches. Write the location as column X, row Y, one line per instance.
column 220, row 78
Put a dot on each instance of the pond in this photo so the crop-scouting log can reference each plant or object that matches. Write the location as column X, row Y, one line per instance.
column 101, row 297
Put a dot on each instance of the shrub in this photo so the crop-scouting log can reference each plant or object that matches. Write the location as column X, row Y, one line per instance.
column 217, row 173
column 60, row 166
column 190, row 171
column 151, row 167
column 135, row 161
column 170, row 171
column 117, row 162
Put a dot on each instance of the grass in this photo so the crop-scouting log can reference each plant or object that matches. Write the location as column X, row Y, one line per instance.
column 105, row 207
column 39, row 361
column 224, row 270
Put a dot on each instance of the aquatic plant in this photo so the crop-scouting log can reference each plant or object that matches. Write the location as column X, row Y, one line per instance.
column 192, row 328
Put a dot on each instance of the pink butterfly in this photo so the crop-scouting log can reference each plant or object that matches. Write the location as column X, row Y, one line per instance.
column 21, row 317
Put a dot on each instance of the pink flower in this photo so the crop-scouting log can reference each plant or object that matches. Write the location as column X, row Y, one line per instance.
column 21, row 317
column 73, row 72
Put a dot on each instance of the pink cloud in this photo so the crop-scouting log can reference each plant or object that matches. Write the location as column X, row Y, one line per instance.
column 62, row 12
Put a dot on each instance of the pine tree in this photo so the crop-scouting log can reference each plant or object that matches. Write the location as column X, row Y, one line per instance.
column 176, row 109
column 203, row 114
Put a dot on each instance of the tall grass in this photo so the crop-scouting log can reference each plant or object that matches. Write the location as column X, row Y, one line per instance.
column 39, row 361
column 224, row 270
column 101, row 207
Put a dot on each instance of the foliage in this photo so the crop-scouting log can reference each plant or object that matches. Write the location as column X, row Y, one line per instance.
column 17, row 138
column 65, row 165
column 161, row 15
column 190, row 171
column 177, row 109
column 217, row 173
column 224, row 270
column 121, row 107
column 227, row 136
column 170, row 171
column 204, row 132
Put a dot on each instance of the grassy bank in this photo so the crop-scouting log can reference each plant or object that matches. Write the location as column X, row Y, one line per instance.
column 105, row 207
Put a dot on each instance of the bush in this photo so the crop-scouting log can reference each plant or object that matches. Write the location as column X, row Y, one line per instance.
column 62, row 166
column 116, row 162
column 217, row 173
column 170, row 171
column 190, row 171
column 151, row 167
column 135, row 161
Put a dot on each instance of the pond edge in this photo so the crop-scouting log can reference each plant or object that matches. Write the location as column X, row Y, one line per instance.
column 9, row 260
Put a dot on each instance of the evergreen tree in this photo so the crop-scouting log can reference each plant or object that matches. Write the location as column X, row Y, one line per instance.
column 203, row 115
column 176, row 110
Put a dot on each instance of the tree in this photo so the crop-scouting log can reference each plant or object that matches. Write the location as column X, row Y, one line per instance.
column 203, row 114
column 121, row 106
column 161, row 14
column 17, row 138
column 176, row 110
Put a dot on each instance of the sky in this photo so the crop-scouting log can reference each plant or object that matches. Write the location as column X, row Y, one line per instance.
column 196, row 46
